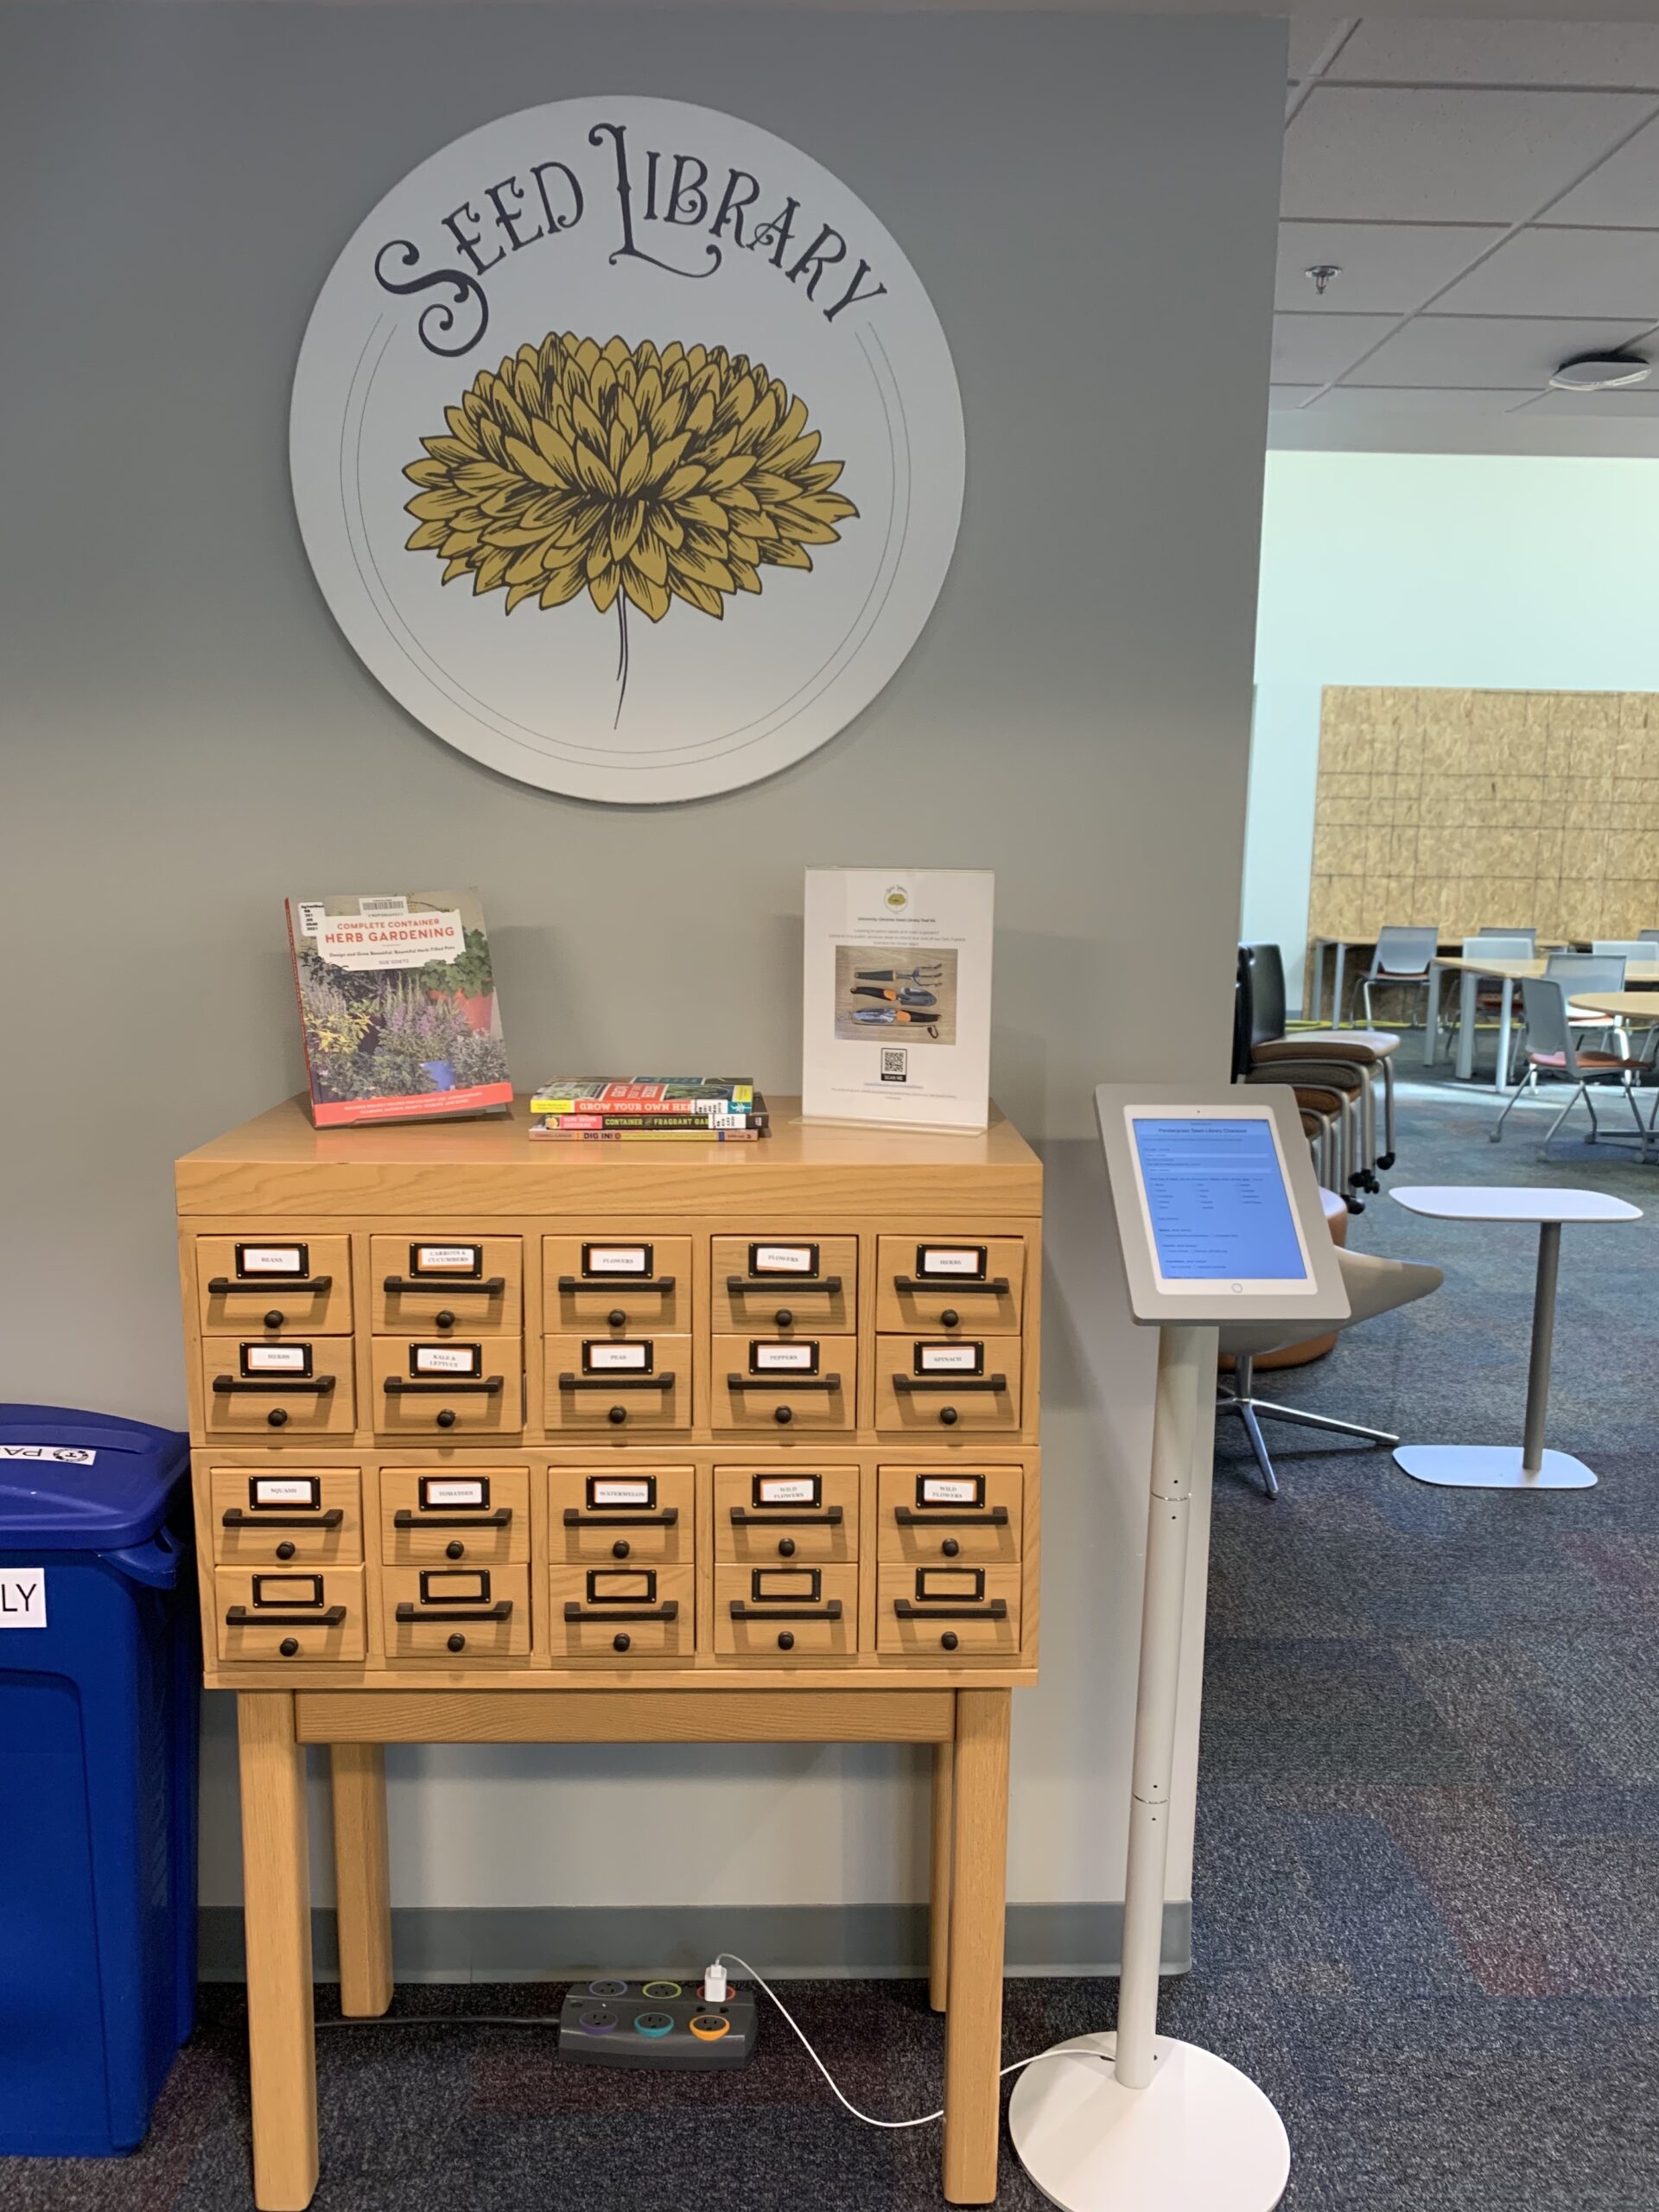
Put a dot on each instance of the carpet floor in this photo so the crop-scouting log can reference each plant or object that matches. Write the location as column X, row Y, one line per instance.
column 1426, row 1917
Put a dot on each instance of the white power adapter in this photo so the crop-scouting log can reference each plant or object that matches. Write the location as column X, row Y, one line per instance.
column 714, row 1990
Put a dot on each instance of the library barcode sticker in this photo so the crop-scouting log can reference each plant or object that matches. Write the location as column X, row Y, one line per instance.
column 23, row 1597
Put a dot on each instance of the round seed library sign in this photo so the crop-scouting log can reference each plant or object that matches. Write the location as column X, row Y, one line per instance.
column 627, row 450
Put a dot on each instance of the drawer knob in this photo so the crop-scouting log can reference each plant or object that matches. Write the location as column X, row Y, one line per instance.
column 783, row 1416
column 617, row 1318
column 276, row 1317
column 457, row 1642
column 948, row 1641
column 278, row 1417
column 454, row 1550
column 950, row 1318
column 785, row 1547
column 444, row 1320
column 617, row 1415
column 621, row 1642
column 950, row 1548
column 447, row 1417
column 288, row 1646
column 785, row 1639
column 948, row 1415
column 285, row 1551
column 784, row 1318
column 620, row 1548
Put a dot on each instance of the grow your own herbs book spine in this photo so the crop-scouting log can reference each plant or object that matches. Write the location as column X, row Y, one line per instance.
column 397, row 1007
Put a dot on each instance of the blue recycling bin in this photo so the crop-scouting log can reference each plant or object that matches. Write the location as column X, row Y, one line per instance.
column 99, row 1694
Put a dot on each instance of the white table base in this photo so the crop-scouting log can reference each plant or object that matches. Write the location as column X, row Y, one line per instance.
column 1200, row 2137
column 1490, row 1466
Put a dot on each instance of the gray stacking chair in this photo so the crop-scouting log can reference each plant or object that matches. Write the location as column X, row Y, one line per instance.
column 1402, row 960
column 1591, row 971
column 1493, row 929
column 1553, row 1056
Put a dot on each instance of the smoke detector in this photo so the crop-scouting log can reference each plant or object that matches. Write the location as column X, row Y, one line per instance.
column 1601, row 373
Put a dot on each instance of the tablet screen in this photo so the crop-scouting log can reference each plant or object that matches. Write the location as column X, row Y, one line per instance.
column 1216, row 1201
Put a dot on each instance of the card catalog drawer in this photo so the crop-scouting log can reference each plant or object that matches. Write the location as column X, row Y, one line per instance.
column 929, row 1514
column 301, row 1385
column 264, row 1517
column 456, row 1614
column 446, row 1389
column 929, row 1384
column 289, row 1614
column 948, row 1612
column 621, row 1614
column 768, row 1382
column 436, row 1281
column 480, row 1515
column 767, row 1514
column 785, row 1612
column 638, row 1285
column 252, row 1286
column 782, row 1284
column 612, row 1381
column 600, row 1515
column 976, row 1285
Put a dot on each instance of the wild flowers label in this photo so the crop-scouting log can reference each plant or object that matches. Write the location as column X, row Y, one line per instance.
column 627, row 450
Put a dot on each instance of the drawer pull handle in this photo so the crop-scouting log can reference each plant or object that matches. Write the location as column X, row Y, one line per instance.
column 398, row 1386
column 743, row 1612
column 446, row 1287
column 745, row 1516
column 574, row 1518
column 771, row 1284
column 671, row 1612
column 222, row 1286
column 234, row 1517
column 783, row 1379
column 664, row 1382
column 993, row 1609
column 501, row 1610
column 951, row 1383
column 609, row 1284
column 501, row 1518
column 907, row 1516
column 245, row 1616
column 319, row 1386
column 954, row 1287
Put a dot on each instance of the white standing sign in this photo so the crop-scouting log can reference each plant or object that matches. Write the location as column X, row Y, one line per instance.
column 627, row 449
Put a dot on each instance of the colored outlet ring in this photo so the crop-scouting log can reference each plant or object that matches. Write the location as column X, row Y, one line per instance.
column 709, row 2027
column 608, row 1989
column 653, row 2024
column 661, row 1989
column 596, row 2023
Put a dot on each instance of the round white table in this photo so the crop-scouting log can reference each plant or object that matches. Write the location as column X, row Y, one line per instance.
column 1500, row 1466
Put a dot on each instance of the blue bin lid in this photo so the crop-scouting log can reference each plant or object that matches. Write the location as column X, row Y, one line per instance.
column 78, row 1482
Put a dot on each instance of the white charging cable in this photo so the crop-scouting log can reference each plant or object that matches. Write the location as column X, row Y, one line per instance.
column 717, row 1968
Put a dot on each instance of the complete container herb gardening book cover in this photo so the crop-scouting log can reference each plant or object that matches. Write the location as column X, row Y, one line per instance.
column 397, row 1007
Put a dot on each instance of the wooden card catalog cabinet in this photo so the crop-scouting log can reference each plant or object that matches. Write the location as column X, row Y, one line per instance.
column 469, row 1411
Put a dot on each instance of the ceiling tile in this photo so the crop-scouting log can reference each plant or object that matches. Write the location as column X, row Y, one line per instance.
column 1387, row 268
column 1564, row 272
column 1488, row 352
column 1310, row 34
column 1610, row 406
column 1444, row 156
column 1623, row 190
column 1380, row 400
column 1281, row 395
column 1388, row 50
column 1314, row 348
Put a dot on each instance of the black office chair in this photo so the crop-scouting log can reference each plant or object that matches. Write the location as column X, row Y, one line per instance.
column 1333, row 1079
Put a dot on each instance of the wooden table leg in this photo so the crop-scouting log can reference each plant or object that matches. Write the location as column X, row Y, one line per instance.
column 276, row 1912
column 938, row 1923
column 362, row 1885
column 979, row 1857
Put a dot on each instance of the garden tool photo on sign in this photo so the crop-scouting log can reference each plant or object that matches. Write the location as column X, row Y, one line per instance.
column 928, row 975
column 910, row 996
column 889, row 1014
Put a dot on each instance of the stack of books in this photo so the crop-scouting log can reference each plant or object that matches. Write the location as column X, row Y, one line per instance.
column 646, row 1109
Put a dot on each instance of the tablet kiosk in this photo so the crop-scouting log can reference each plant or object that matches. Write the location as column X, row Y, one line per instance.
column 1219, row 1218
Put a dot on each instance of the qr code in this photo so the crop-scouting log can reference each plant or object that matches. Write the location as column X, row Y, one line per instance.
column 894, row 1063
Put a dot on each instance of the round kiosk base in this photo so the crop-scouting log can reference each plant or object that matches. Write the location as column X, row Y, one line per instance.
column 1200, row 2138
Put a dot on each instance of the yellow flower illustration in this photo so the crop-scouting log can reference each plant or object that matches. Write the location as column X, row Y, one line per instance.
column 626, row 473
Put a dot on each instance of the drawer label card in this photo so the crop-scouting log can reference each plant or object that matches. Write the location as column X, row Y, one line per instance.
column 804, row 1584
column 951, row 1582
column 950, row 1489
column 624, row 1585
column 636, row 1357
column 287, row 1591
column 950, row 1359
column 624, row 1491
column 783, row 1259
column 789, row 1489
column 445, row 1259
column 801, row 1358
column 470, row 1492
column 442, row 1586
column 23, row 1597
column 272, row 1259
column 446, row 1359
column 616, row 1259
column 942, row 1261
column 269, row 1492
column 275, row 1359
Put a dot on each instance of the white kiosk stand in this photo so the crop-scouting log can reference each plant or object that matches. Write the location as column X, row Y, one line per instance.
column 1218, row 1216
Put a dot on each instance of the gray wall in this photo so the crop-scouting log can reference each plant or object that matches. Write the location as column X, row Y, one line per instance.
column 1092, row 204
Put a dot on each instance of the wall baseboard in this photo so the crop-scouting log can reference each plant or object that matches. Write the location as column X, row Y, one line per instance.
column 563, row 1943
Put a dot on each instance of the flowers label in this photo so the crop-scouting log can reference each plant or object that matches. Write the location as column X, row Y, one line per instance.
column 627, row 450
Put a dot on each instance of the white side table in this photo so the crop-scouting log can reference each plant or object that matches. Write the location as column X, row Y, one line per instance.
column 1500, row 1466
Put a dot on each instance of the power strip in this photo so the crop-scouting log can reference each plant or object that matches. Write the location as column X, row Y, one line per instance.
column 657, row 2023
